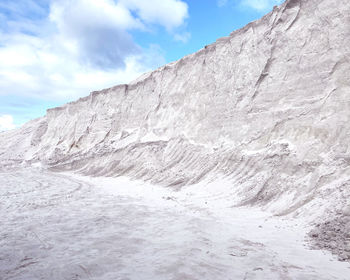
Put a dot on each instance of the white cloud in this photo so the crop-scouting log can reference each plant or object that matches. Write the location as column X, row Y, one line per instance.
column 95, row 31
column 84, row 13
column 168, row 13
column 6, row 122
column 81, row 45
column 260, row 5
column 182, row 37
column 43, row 70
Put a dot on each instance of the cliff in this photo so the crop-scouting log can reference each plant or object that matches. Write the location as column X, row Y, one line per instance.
column 266, row 108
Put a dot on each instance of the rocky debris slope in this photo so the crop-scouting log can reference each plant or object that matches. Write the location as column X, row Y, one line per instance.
column 266, row 108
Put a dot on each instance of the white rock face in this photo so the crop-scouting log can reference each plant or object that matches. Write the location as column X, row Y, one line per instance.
column 267, row 108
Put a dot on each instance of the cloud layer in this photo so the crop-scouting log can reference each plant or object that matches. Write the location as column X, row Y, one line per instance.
column 168, row 13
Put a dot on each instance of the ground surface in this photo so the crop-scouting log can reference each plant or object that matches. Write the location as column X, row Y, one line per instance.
column 61, row 226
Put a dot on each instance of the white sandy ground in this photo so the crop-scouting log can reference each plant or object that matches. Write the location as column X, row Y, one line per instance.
column 64, row 226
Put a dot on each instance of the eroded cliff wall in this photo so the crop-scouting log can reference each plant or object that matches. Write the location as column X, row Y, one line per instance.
column 267, row 108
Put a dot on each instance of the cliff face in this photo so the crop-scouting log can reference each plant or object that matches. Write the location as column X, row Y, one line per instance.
column 267, row 108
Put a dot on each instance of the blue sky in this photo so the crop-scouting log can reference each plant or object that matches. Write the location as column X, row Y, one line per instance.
column 55, row 51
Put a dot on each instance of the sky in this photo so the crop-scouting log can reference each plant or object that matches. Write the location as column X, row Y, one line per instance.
column 55, row 51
